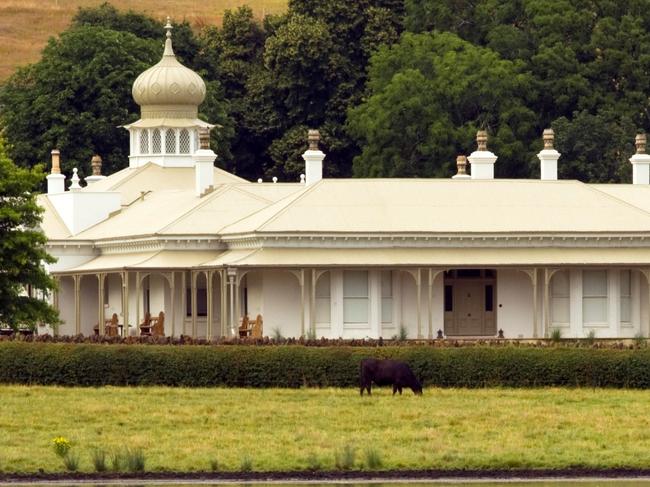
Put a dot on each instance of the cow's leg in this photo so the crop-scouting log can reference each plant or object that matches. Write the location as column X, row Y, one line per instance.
column 394, row 389
column 400, row 390
column 368, row 389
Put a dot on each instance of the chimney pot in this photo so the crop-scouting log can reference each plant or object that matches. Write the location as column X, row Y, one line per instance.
column 461, row 165
column 96, row 164
column 481, row 140
column 56, row 161
column 549, row 138
column 640, row 143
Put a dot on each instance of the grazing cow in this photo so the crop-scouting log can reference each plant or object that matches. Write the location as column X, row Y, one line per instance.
column 385, row 372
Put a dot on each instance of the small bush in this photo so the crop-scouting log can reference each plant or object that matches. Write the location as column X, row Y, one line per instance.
column 640, row 341
column 373, row 459
column 118, row 461
column 590, row 339
column 314, row 462
column 246, row 464
column 344, row 459
column 556, row 335
column 214, row 465
column 277, row 335
column 99, row 459
column 71, row 461
column 135, row 459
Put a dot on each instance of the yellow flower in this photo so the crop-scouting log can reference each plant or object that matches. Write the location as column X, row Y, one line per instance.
column 61, row 446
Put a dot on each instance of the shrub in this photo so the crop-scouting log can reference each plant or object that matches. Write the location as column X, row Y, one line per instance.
column 118, row 461
column 99, row 459
column 61, row 446
column 344, row 459
column 296, row 366
column 556, row 335
column 71, row 461
column 214, row 464
column 590, row 339
column 373, row 459
column 246, row 464
column 314, row 462
column 134, row 459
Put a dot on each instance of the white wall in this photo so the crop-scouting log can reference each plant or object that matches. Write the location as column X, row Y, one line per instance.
column 281, row 303
column 67, row 306
column 514, row 304
column 88, row 304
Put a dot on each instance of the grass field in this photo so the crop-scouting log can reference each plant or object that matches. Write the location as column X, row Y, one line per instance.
column 25, row 25
column 191, row 429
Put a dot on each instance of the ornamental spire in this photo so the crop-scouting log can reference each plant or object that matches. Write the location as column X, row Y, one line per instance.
column 169, row 51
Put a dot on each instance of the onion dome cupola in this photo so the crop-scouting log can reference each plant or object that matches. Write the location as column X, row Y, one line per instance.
column 169, row 95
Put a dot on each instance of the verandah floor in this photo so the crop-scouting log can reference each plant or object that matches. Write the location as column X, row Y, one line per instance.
column 188, row 429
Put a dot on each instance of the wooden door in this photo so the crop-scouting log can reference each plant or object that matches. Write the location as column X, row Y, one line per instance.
column 469, row 296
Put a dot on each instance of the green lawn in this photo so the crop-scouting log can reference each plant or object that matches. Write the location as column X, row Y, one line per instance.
column 188, row 429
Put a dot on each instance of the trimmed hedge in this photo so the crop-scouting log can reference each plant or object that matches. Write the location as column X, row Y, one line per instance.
column 296, row 366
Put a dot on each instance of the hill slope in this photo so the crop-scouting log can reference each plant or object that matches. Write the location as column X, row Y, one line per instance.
column 25, row 25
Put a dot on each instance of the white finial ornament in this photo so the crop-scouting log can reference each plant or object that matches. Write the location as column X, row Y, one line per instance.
column 275, row 179
column 75, row 181
column 302, row 179
column 169, row 51
column 259, row 180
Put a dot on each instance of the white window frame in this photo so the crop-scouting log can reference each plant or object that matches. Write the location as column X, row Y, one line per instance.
column 348, row 298
column 604, row 297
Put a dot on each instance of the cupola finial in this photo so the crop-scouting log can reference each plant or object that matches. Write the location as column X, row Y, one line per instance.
column 169, row 51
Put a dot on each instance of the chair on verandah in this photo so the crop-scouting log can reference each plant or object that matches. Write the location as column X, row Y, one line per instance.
column 110, row 326
column 145, row 326
column 158, row 325
column 245, row 327
column 256, row 330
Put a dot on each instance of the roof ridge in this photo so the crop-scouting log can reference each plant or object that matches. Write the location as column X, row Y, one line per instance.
column 286, row 201
column 616, row 198
column 298, row 198
column 207, row 200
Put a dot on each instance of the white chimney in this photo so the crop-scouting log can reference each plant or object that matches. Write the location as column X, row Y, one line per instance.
column 640, row 162
column 548, row 157
column 313, row 159
column 55, row 180
column 482, row 160
column 204, row 165
column 96, row 164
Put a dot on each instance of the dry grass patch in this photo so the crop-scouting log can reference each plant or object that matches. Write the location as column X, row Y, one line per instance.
column 279, row 429
column 25, row 25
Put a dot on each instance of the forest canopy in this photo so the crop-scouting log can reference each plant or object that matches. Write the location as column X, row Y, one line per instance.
column 397, row 88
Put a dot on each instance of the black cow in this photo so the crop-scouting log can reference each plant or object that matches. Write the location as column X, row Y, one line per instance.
column 385, row 372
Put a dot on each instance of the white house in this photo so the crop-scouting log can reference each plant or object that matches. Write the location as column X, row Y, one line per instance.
column 469, row 255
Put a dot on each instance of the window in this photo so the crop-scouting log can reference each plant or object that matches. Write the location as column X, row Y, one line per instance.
column 144, row 142
column 323, row 299
column 560, row 307
column 156, row 142
column 355, row 296
column 594, row 297
column 489, row 297
column 184, row 143
column 170, row 141
column 626, row 297
column 386, row 296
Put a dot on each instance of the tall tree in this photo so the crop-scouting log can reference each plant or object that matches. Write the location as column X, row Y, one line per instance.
column 589, row 60
column 428, row 95
column 22, row 248
column 75, row 98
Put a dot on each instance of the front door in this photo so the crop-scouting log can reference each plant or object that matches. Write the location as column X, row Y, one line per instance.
column 469, row 302
column 469, row 307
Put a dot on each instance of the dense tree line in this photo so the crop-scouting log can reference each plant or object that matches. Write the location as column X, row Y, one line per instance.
column 396, row 87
